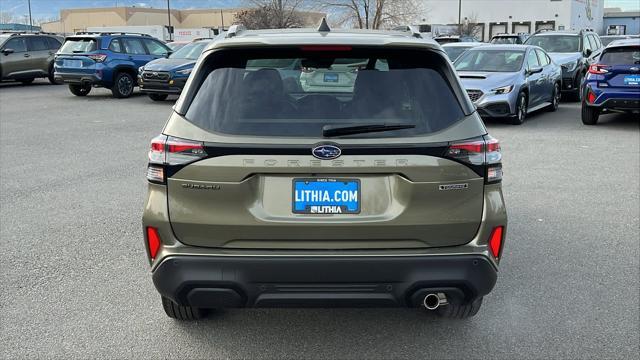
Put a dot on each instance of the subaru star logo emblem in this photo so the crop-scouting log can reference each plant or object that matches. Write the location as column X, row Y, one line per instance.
column 326, row 152
column 155, row 73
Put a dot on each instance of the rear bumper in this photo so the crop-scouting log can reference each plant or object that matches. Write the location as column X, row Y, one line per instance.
column 303, row 281
column 84, row 79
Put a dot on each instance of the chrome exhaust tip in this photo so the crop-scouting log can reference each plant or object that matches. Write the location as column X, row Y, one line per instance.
column 433, row 301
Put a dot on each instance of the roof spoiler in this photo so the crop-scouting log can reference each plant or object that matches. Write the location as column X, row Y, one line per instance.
column 413, row 30
column 234, row 30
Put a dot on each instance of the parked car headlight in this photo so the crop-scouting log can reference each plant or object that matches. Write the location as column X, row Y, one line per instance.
column 140, row 69
column 570, row 66
column 184, row 71
column 502, row 90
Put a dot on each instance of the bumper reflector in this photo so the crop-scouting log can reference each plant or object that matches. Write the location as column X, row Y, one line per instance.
column 153, row 240
column 495, row 241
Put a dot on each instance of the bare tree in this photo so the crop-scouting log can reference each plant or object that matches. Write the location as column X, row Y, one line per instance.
column 271, row 14
column 374, row 14
column 6, row 17
column 469, row 26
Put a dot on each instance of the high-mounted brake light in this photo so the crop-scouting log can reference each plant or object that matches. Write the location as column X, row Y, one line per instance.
column 168, row 151
column 326, row 48
column 495, row 241
column 484, row 152
column 598, row 69
column 153, row 241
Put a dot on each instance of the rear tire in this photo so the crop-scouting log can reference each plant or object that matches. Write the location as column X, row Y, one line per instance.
column 158, row 97
column 51, row 76
column 26, row 81
column 79, row 90
column 590, row 114
column 521, row 109
column 577, row 96
column 123, row 85
column 463, row 311
column 179, row 312
column 555, row 98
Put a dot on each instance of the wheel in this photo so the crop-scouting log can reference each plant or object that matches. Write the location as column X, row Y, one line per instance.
column 180, row 312
column 123, row 85
column 158, row 97
column 590, row 114
column 26, row 81
column 578, row 94
column 51, row 77
column 79, row 90
column 555, row 98
column 521, row 109
column 458, row 311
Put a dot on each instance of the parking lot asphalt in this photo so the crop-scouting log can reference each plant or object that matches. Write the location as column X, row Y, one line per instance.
column 75, row 282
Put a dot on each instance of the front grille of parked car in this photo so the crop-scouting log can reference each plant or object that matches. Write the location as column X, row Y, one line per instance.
column 155, row 75
column 474, row 95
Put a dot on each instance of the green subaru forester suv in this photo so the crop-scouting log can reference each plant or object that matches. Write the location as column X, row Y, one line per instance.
column 377, row 186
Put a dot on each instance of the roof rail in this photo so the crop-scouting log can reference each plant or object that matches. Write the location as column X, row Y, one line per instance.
column 234, row 30
column 110, row 33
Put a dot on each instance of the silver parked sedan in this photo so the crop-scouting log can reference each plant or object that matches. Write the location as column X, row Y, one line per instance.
column 509, row 81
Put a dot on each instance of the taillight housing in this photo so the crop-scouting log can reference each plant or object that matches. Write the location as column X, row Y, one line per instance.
column 598, row 69
column 482, row 154
column 97, row 57
column 168, row 153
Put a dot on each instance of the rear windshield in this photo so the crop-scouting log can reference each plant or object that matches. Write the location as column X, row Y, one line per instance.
column 298, row 93
column 621, row 56
column 556, row 43
column 505, row 40
column 75, row 45
column 490, row 60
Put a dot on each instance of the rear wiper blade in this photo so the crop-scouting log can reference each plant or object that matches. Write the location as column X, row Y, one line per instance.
column 330, row 131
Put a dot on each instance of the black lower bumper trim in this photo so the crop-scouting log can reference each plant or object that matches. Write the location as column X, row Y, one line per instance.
column 366, row 281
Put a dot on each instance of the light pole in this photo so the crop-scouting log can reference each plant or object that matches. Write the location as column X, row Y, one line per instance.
column 169, row 18
column 459, row 12
column 30, row 21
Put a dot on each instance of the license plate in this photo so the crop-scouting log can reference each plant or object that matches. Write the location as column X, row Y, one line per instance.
column 72, row 63
column 632, row 80
column 330, row 77
column 326, row 196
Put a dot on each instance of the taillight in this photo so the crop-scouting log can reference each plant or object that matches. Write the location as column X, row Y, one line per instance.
column 598, row 69
column 153, row 241
column 482, row 153
column 591, row 97
column 495, row 241
column 97, row 57
column 167, row 151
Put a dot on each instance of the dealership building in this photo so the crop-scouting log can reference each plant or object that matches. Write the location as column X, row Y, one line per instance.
column 508, row 16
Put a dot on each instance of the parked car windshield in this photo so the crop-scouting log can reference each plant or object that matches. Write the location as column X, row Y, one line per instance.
column 621, row 56
column 490, row 60
column 191, row 51
column 454, row 51
column 252, row 94
column 556, row 43
column 78, row 45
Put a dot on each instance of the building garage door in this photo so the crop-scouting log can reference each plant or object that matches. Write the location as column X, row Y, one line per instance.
column 545, row 25
column 497, row 28
column 521, row 27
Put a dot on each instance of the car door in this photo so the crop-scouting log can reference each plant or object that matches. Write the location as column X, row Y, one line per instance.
column 39, row 53
column 136, row 51
column 156, row 49
column 535, row 80
column 546, row 91
column 17, row 61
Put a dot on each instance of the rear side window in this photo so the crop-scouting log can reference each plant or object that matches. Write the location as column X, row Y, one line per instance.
column 115, row 46
column 133, row 46
column 54, row 44
column 621, row 56
column 38, row 43
column 17, row 44
column 79, row 45
column 298, row 93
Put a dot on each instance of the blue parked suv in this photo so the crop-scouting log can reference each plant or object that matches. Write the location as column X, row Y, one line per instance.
column 162, row 77
column 613, row 83
column 109, row 60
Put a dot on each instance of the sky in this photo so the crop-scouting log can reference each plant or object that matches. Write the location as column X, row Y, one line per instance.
column 50, row 9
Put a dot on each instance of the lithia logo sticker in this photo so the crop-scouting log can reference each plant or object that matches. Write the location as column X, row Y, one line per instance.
column 453, row 187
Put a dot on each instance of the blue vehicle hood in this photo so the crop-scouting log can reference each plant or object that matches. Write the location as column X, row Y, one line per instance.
column 563, row 58
column 487, row 81
column 169, row 64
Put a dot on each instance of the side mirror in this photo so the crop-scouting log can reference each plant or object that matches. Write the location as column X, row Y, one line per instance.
column 8, row 51
column 588, row 52
column 168, row 54
column 534, row 70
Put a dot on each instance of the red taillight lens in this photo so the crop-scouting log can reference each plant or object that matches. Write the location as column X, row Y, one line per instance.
column 97, row 57
column 495, row 241
column 153, row 241
column 485, row 152
column 166, row 150
column 591, row 97
column 598, row 69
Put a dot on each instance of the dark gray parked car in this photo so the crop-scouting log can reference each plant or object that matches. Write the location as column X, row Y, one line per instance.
column 27, row 56
column 509, row 81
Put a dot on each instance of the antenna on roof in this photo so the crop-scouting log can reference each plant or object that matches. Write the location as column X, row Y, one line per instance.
column 324, row 26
